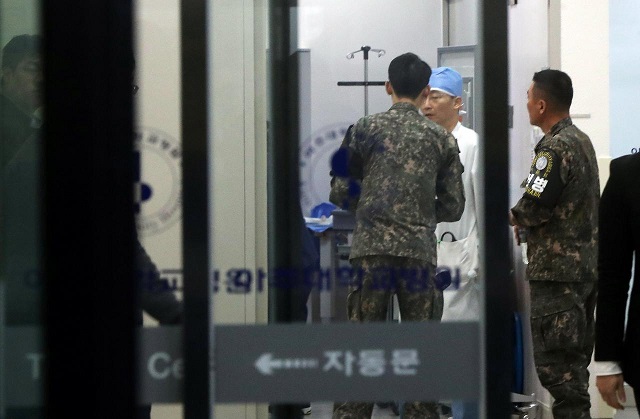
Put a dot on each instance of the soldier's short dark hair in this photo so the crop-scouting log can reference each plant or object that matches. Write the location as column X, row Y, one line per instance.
column 18, row 48
column 408, row 75
column 556, row 88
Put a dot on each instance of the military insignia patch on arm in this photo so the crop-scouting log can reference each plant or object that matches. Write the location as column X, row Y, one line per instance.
column 544, row 184
column 542, row 162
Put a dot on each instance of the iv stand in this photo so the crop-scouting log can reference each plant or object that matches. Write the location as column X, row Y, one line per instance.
column 366, row 83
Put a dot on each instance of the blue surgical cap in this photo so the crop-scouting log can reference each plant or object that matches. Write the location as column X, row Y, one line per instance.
column 446, row 80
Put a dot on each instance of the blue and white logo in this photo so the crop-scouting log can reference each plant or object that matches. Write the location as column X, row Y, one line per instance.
column 541, row 163
column 315, row 164
column 158, row 188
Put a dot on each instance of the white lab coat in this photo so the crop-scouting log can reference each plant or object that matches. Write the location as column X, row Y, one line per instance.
column 463, row 303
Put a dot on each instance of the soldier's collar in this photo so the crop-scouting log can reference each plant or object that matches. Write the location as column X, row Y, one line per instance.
column 560, row 125
column 404, row 105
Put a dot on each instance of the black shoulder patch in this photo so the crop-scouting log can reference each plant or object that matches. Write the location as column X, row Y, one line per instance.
column 544, row 183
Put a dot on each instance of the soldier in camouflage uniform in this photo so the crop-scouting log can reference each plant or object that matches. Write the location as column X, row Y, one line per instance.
column 403, row 177
column 559, row 209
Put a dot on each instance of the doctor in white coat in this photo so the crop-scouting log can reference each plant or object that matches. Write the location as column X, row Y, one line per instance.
column 458, row 241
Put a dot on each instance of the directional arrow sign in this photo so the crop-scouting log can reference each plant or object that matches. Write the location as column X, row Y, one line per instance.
column 286, row 363
column 266, row 364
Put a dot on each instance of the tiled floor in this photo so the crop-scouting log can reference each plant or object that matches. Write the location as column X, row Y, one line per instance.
column 629, row 413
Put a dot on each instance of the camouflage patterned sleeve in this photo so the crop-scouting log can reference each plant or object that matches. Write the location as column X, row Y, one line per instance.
column 346, row 174
column 528, row 213
column 345, row 193
column 543, row 187
column 449, row 188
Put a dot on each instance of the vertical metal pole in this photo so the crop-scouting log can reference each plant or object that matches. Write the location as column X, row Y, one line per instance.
column 366, row 87
column 284, row 139
column 446, row 36
column 195, row 233
column 87, row 218
column 365, row 56
column 499, row 289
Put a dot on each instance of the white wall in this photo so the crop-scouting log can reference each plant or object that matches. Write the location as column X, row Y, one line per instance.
column 624, row 58
column 585, row 57
column 463, row 22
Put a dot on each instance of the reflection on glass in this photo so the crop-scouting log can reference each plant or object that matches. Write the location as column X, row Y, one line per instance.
column 22, row 359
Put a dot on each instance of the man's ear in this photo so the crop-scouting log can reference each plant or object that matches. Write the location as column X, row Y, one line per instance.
column 542, row 106
column 388, row 87
column 457, row 103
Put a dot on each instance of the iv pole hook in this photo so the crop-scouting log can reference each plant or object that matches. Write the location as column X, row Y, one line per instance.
column 365, row 50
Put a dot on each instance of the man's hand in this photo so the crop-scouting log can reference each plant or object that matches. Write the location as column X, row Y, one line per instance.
column 611, row 389
column 516, row 235
column 513, row 222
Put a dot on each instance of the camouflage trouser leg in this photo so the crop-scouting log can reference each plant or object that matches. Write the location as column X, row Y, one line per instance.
column 352, row 410
column 379, row 276
column 562, row 328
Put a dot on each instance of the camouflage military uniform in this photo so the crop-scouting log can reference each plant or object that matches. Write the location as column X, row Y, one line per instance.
column 408, row 174
column 560, row 209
